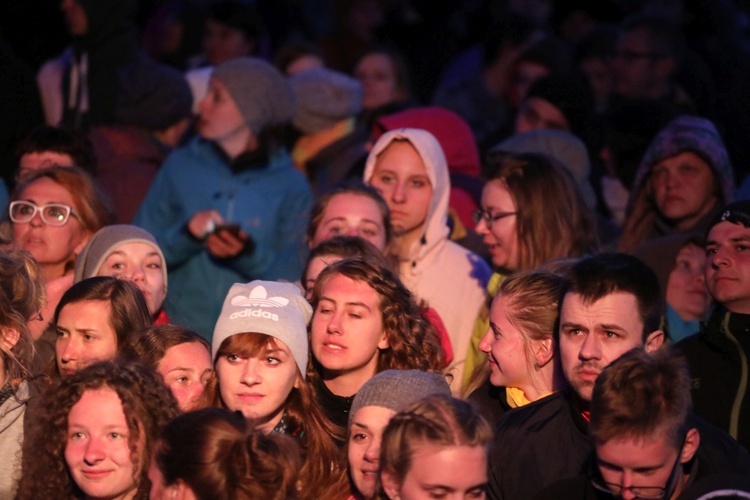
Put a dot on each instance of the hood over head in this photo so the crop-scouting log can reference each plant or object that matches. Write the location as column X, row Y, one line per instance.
column 428, row 148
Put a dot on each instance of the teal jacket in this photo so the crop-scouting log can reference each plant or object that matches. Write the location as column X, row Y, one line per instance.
column 270, row 202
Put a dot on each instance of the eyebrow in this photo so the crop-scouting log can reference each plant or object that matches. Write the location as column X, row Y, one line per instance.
column 120, row 252
column 356, row 304
column 181, row 369
column 362, row 426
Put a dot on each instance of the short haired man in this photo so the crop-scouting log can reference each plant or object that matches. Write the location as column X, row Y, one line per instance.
column 611, row 305
column 718, row 355
column 645, row 437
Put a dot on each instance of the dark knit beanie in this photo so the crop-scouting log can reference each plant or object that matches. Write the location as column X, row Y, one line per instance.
column 736, row 213
column 324, row 97
column 152, row 97
column 568, row 93
column 260, row 91
column 397, row 389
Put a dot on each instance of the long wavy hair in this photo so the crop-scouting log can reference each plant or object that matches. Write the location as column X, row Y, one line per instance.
column 412, row 341
column 323, row 471
column 226, row 458
column 22, row 295
column 148, row 405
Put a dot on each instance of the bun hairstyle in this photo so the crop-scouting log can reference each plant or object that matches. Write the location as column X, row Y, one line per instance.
column 226, row 458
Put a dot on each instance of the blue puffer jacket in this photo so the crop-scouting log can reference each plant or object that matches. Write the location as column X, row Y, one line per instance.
column 271, row 204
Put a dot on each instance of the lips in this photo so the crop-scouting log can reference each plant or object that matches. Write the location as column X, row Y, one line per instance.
column 250, row 397
column 587, row 374
column 95, row 474
column 333, row 347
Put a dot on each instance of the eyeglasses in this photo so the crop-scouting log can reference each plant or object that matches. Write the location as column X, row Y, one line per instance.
column 488, row 217
column 53, row 214
column 666, row 491
column 630, row 56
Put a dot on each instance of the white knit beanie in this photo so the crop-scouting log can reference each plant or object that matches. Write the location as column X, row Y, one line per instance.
column 268, row 307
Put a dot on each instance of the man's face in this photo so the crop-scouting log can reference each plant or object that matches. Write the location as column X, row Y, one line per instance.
column 636, row 468
column 592, row 335
column 650, row 465
column 728, row 266
column 636, row 66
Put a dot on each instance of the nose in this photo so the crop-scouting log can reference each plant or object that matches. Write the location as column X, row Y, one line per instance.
column 250, row 374
column 399, row 193
column 372, row 453
column 69, row 349
column 334, row 325
column 590, row 348
column 485, row 345
column 203, row 105
column 720, row 258
column 482, row 227
column 94, row 451
column 626, row 484
column 194, row 391
column 138, row 274
column 37, row 221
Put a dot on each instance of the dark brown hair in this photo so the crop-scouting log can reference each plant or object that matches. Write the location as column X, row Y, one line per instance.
column 128, row 312
column 641, row 395
column 148, row 406
column 226, row 459
column 552, row 220
column 151, row 344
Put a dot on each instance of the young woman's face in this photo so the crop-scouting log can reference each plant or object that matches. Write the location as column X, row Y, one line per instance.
column 401, row 179
column 451, row 472
column 349, row 214
column 377, row 74
column 506, row 349
column 185, row 368
column 684, row 188
column 141, row 264
column 686, row 287
column 365, row 434
column 347, row 328
column 52, row 246
column 84, row 335
column 316, row 266
column 220, row 118
column 258, row 386
column 500, row 234
column 97, row 451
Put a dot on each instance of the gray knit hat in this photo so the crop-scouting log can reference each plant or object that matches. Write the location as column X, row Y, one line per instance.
column 261, row 92
column 268, row 307
column 397, row 389
column 324, row 97
column 104, row 242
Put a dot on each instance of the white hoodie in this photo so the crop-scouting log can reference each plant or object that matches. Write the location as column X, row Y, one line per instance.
column 450, row 278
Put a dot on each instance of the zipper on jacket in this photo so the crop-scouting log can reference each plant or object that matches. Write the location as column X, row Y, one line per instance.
column 734, row 417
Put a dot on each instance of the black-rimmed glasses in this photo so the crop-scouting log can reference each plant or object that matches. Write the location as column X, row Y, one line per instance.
column 53, row 214
column 488, row 217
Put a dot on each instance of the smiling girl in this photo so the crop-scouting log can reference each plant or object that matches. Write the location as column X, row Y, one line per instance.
column 365, row 321
column 101, row 423
column 260, row 351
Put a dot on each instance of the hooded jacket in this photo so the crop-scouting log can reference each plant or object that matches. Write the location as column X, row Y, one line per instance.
column 683, row 134
column 448, row 277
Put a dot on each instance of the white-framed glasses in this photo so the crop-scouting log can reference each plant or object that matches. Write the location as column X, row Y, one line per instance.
column 53, row 214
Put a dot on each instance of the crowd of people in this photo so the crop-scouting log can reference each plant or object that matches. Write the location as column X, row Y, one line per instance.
column 498, row 252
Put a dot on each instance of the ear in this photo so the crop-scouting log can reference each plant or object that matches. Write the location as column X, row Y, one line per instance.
column 10, row 338
column 654, row 341
column 390, row 485
column 298, row 381
column 383, row 343
column 544, row 350
column 692, row 441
